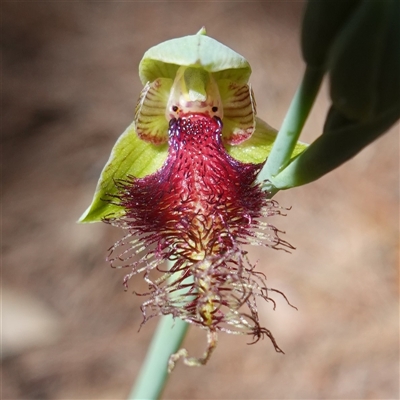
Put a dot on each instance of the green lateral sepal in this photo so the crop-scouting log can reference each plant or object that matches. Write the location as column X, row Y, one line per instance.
column 256, row 149
column 129, row 156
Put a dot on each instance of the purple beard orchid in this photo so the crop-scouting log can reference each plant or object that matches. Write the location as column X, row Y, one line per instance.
column 182, row 182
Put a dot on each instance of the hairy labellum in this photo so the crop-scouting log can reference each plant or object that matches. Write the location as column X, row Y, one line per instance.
column 198, row 211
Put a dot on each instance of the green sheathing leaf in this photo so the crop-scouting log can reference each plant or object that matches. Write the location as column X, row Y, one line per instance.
column 322, row 22
column 129, row 156
column 355, row 60
column 257, row 148
column 339, row 142
column 195, row 51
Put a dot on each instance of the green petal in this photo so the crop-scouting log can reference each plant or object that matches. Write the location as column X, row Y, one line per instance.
column 198, row 50
column 238, row 111
column 256, row 149
column 129, row 156
column 150, row 118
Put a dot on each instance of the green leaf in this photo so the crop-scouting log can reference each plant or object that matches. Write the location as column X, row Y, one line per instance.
column 322, row 22
column 355, row 60
column 357, row 41
column 341, row 140
column 129, row 156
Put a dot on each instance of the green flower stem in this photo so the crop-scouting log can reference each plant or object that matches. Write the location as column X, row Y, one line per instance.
column 292, row 125
column 153, row 375
column 166, row 341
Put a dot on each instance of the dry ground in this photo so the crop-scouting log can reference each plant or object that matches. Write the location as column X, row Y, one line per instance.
column 69, row 87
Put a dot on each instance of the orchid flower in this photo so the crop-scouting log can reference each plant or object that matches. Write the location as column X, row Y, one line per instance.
column 182, row 182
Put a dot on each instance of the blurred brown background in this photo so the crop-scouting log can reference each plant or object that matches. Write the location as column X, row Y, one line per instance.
column 69, row 87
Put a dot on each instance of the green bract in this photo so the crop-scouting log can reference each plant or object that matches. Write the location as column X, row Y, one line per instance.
column 192, row 74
